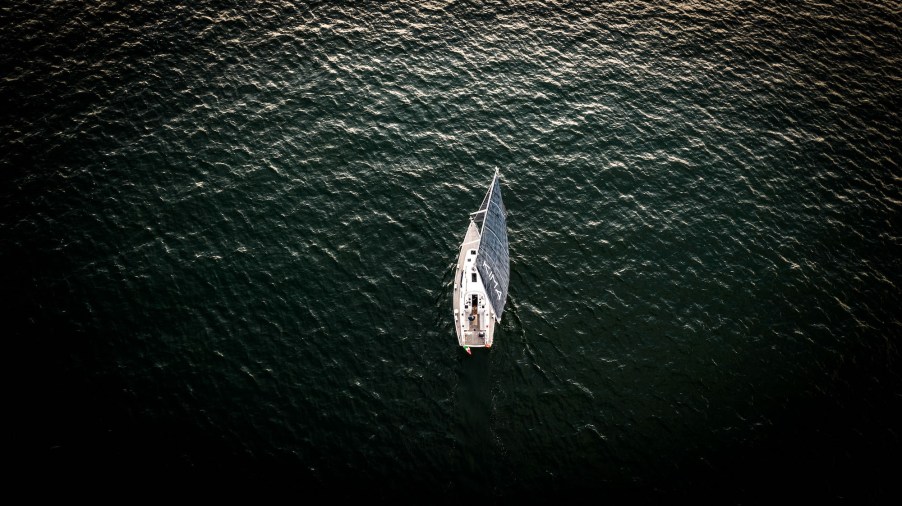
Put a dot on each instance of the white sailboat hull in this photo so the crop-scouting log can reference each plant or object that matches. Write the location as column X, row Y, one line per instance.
column 483, row 272
column 474, row 319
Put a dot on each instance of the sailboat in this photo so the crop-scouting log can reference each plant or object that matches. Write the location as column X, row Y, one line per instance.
column 483, row 272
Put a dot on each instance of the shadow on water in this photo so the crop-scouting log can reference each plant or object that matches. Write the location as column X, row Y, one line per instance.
column 474, row 451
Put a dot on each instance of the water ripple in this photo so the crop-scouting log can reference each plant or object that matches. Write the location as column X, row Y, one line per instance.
column 233, row 230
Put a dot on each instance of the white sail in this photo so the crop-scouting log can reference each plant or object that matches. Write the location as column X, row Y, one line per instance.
column 492, row 258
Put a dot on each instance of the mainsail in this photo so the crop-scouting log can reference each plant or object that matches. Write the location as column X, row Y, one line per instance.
column 492, row 259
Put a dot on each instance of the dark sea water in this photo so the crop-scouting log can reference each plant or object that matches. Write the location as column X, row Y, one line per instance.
column 228, row 234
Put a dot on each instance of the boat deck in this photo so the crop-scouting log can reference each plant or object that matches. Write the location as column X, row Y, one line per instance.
column 472, row 338
column 468, row 330
column 471, row 335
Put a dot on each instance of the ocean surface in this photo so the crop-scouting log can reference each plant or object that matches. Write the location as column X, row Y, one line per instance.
column 228, row 232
